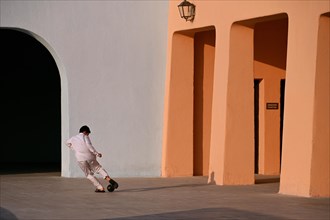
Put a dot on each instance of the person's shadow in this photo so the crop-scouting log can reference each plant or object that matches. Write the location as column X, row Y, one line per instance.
column 5, row 214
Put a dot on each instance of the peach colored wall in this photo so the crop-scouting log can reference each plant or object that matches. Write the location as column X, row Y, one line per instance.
column 238, row 158
column 299, row 137
column 320, row 170
column 178, row 156
column 232, row 145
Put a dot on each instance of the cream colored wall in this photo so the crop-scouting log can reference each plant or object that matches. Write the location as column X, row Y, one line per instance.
column 231, row 151
column 111, row 56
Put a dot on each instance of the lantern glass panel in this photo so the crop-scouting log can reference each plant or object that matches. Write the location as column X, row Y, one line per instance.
column 181, row 12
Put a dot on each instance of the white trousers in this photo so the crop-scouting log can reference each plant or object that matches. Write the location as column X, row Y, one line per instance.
column 90, row 167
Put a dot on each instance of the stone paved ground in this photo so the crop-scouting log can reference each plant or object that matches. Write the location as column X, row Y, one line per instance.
column 49, row 196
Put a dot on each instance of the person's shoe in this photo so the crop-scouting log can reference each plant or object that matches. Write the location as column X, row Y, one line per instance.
column 100, row 190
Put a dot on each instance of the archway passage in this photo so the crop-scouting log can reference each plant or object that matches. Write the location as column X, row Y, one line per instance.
column 270, row 54
column 186, row 148
column 31, row 105
column 204, row 54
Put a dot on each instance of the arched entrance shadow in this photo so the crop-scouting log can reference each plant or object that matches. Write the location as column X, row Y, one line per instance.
column 31, row 100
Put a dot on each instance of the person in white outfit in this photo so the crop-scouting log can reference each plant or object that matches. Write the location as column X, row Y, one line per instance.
column 86, row 158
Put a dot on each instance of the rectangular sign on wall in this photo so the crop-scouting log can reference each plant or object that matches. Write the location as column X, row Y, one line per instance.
column 271, row 105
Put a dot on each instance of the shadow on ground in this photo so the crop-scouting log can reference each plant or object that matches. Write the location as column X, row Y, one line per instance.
column 207, row 213
column 160, row 188
column 5, row 214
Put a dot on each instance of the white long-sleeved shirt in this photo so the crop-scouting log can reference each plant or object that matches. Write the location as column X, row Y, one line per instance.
column 83, row 147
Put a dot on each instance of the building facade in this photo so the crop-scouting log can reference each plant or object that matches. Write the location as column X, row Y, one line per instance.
column 242, row 89
column 247, row 91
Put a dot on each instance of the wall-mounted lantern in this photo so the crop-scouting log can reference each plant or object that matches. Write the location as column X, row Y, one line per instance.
column 187, row 10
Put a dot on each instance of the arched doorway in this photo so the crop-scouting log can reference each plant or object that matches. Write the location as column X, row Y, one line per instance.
column 270, row 53
column 31, row 100
column 187, row 129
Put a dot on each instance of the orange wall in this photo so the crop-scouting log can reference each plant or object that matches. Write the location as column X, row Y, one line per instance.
column 300, row 142
column 178, row 156
column 320, row 170
column 239, row 155
column 238, row 58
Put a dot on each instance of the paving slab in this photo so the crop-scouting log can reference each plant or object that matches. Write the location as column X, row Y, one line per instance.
column 47, row 196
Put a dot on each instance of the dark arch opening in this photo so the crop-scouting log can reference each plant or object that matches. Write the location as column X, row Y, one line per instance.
column 31, row 105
